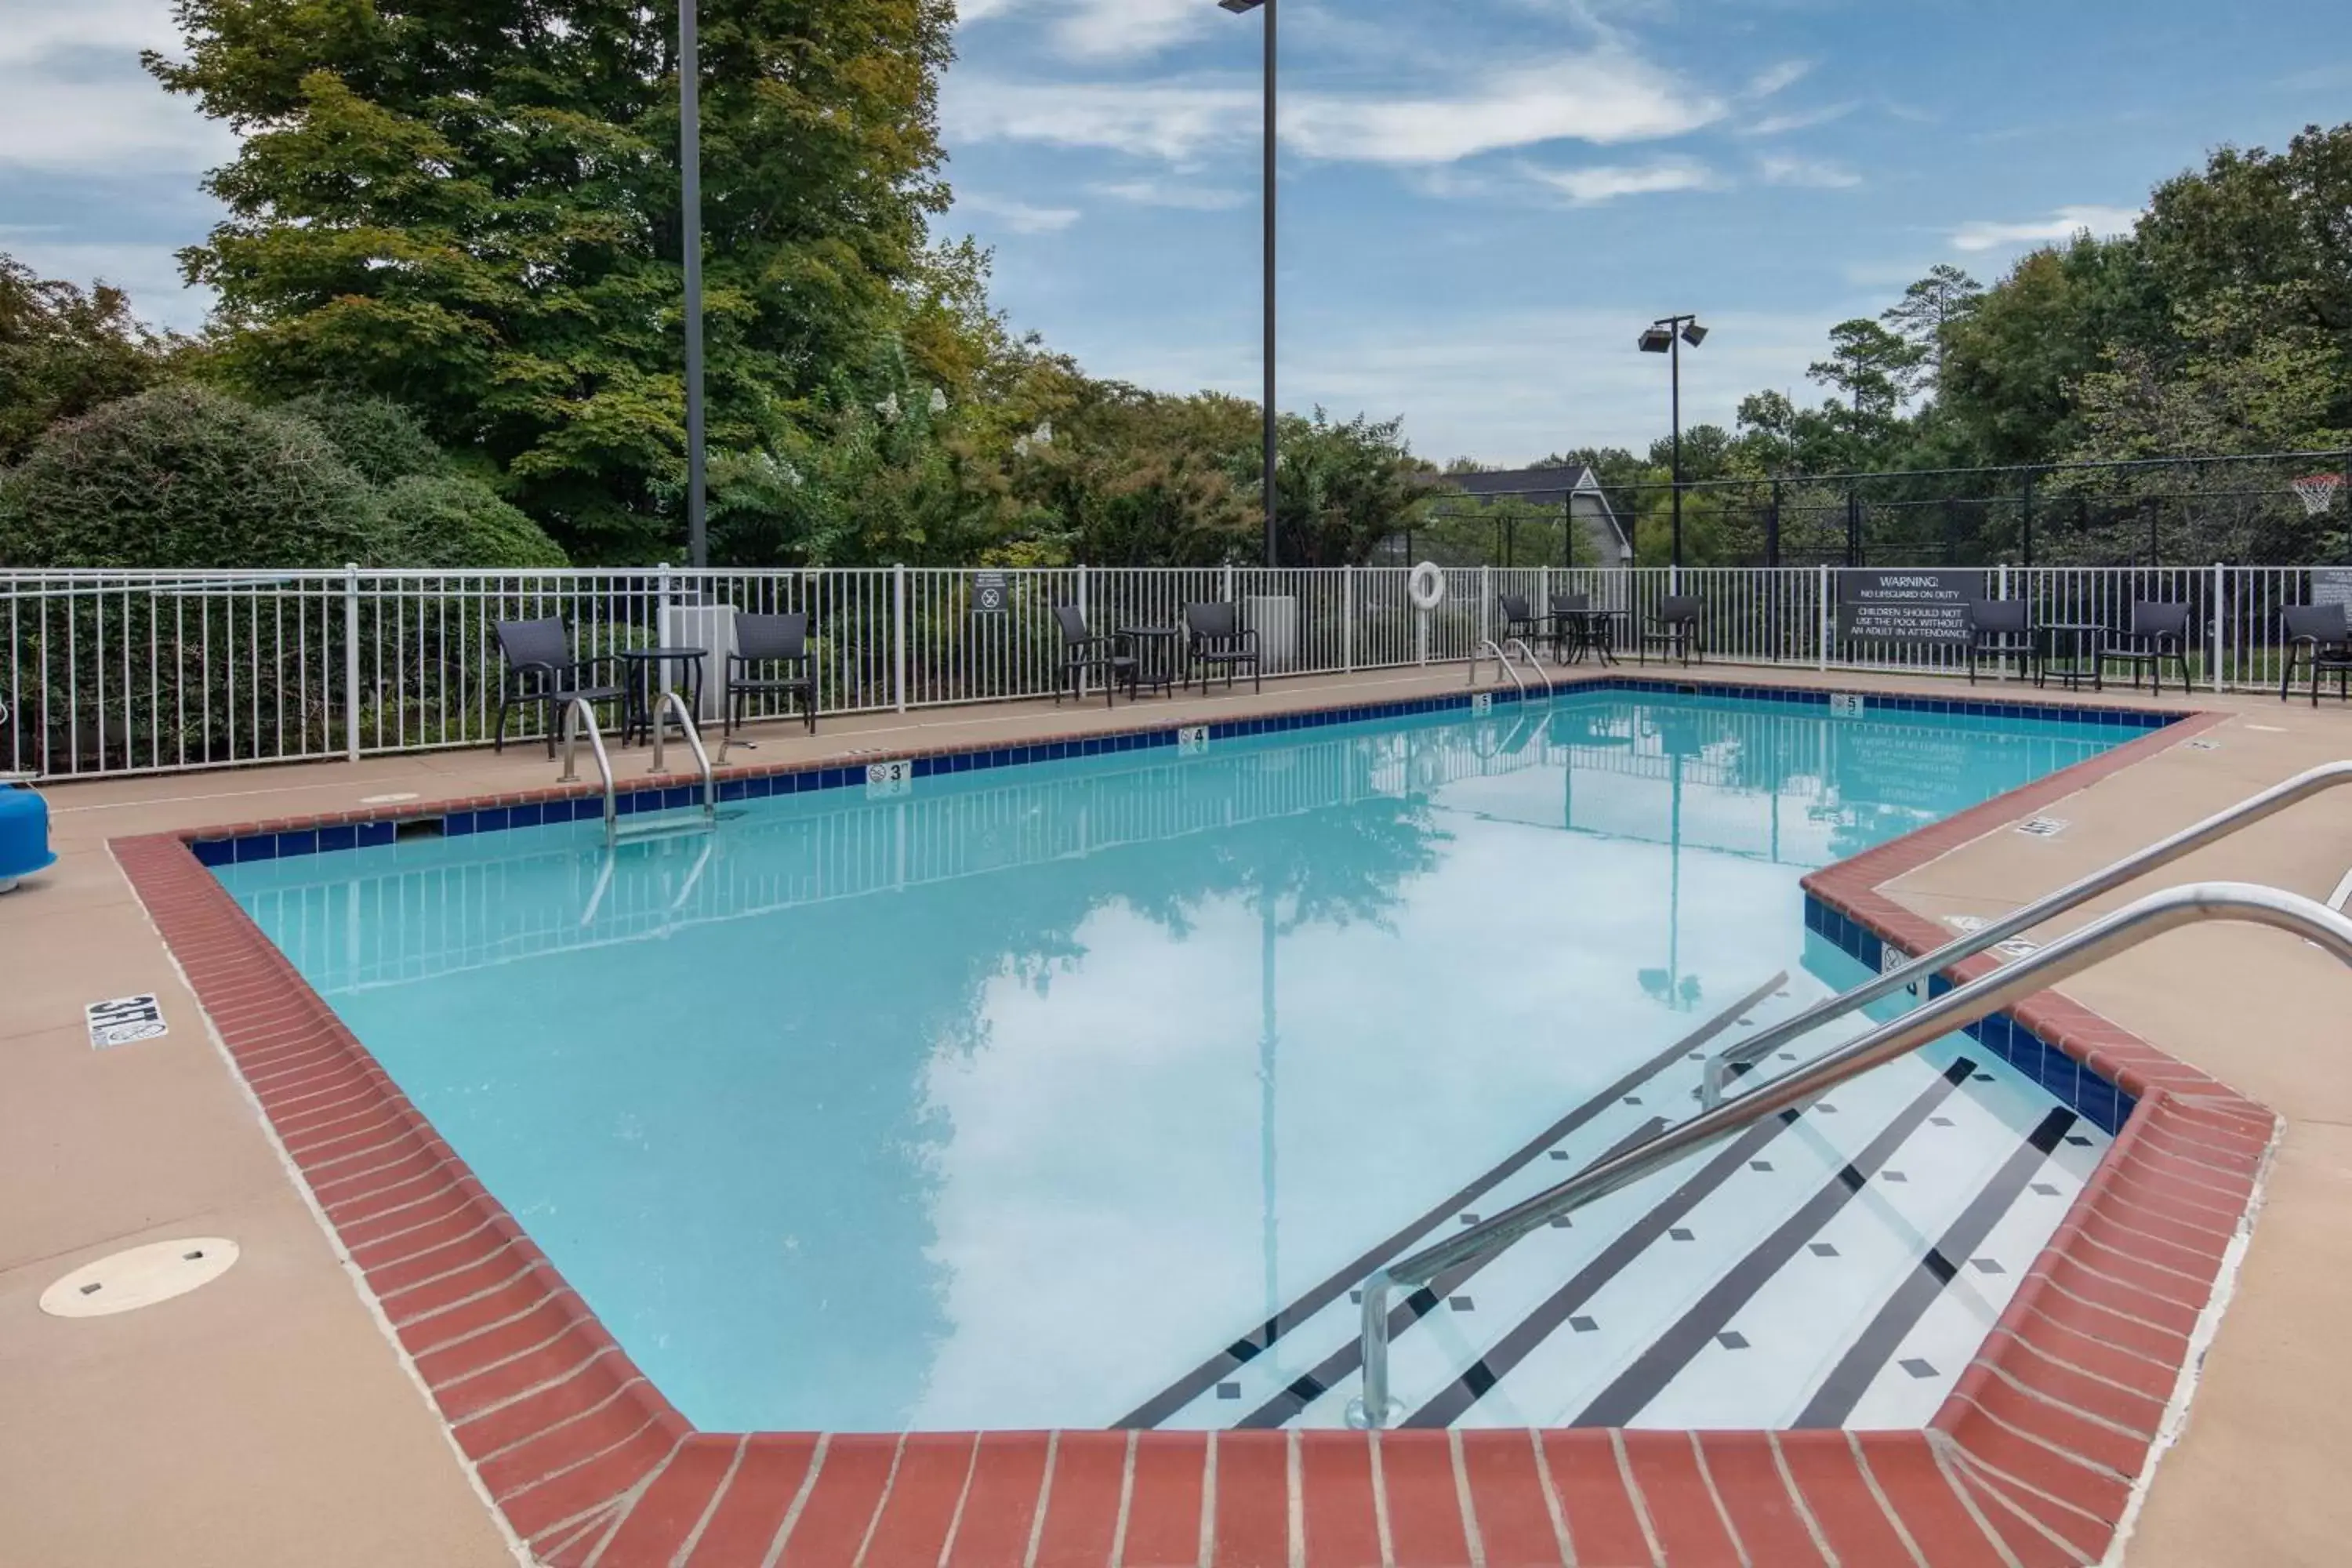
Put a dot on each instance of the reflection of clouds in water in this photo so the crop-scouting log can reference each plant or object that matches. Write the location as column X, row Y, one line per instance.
column 1101, row 1191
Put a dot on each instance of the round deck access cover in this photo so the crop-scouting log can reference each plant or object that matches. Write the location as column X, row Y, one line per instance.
column 125, row 1281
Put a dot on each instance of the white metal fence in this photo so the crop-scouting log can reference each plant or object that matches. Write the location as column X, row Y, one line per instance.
column 111, row 672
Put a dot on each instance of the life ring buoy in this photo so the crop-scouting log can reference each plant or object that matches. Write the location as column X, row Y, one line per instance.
column 1427, row 585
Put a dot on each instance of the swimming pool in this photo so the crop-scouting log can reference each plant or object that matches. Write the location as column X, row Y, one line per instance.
column 1032, row 1097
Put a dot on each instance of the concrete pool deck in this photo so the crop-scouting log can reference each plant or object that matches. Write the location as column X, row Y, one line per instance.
column 280, row 1371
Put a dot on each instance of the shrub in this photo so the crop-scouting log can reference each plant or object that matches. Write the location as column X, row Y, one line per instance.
column 451, row 522
column 183, row 477
column 376, row 435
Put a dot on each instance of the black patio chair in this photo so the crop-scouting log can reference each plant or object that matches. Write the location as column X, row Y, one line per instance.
column 772, row 658
column 2319, row 637
column 1213, row 640
column 1084, row 654
column 1674, row 630
column 1520, row 620
column 2157, row 632
column 2002, row 629
column 542, row 668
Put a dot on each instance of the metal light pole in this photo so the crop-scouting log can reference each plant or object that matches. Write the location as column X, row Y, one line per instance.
column 690, row 159
column 1273, row 432
column 1666, row 336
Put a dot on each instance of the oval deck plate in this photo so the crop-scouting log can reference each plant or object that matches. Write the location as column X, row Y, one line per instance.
column 140, row 1277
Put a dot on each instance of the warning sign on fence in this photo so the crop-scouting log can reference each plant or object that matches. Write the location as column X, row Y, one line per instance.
column 1916, row 605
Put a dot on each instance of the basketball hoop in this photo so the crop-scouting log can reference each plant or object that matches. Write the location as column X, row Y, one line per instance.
column 2318, row 492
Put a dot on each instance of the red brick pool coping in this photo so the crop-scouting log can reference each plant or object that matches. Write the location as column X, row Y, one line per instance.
column 2031, row 1460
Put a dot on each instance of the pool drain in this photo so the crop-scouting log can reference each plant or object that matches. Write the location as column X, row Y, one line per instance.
column 126, row 1281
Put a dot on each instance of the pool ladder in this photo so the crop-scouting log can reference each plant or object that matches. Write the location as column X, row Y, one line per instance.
column 579, row 717
column 1503, row 663
column 1957, row 1008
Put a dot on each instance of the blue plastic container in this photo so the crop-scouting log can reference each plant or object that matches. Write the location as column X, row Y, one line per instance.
column 24, row 835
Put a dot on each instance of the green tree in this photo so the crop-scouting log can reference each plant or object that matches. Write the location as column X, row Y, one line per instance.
column 2010, row 365
column 1870, row 367
column 472, row 208
column 64, row 351
column 1924, row 316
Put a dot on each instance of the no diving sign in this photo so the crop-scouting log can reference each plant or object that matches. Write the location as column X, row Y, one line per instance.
column 125, row 1020
column 989, row 593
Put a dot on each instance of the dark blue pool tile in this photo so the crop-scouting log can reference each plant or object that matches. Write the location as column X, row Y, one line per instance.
column 305, row 842
column 2100, row 1103
column 214, row 851
column 260, row 847
column 457, row 824
column 377, row 835
column 528, row 815
column 346, row 837
column 2061, row 1076
column 490, row 819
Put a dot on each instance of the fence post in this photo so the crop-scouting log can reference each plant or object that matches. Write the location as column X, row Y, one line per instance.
column 2219, row 583
column 899, row 632
column 352, row 661
column 1485, row 598
column 1229, row 583
column 1828, row 618
column 1347, row 617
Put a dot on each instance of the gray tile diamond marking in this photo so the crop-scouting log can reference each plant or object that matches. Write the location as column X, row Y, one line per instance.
column 1917, row 1368
column 1583, row 1325
column 1731, row 1341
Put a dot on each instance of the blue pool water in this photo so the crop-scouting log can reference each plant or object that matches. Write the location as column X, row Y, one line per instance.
column 1014, row 1100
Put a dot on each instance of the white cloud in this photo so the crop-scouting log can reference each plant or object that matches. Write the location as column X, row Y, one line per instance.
column 38, row 30
column 1106, row 29
column 1602, row 97
column 1813, row 173
column 1773, row 78
column 1162, row 194
column 1174, row 124
column 91, row 126
column 1019, row 216
column 1606, row 181
column 74, row 97
column 2062, row 225
column 1797, row 120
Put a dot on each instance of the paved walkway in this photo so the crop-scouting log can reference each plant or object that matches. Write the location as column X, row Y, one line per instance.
column 263, row 1421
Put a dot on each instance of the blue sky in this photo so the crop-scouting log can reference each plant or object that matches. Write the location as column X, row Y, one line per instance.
column 1483, row 200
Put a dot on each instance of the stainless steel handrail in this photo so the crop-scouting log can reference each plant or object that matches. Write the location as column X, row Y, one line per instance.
column 671, row 700
column 573, row 715
column 2163, row 852
column 1478, row 657
column 1550, row 691
column 2101, row 940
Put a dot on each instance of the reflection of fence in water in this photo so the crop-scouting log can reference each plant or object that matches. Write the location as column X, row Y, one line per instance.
column 348, row 934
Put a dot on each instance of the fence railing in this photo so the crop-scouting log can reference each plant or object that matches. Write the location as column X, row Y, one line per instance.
column 113, row 672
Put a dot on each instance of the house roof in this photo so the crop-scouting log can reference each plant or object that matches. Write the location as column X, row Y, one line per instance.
column 1537, row 485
